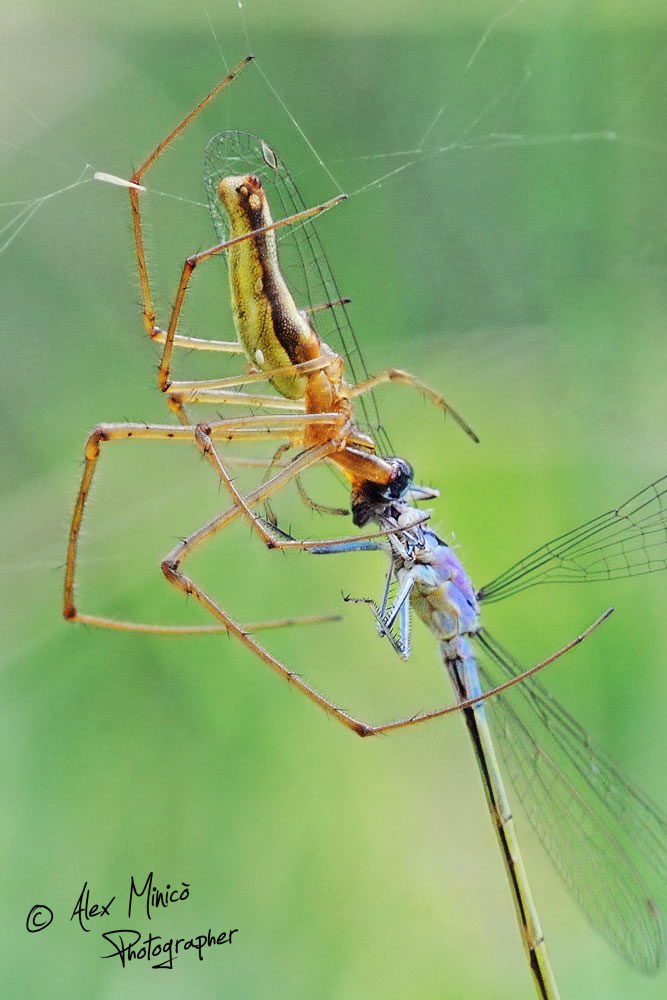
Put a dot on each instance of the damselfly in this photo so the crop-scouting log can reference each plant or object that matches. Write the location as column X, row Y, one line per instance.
column 606, row 838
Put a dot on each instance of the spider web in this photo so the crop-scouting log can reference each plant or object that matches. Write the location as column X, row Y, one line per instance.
column 443, row 231
column 504, row 238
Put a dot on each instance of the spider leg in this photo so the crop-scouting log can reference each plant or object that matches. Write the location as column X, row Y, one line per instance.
column 219, row 390
column 171, row 570
column 397, row 375
column 134, row 192
column 272, row 537
column 320, row 507
column 243, row 428
column 199, row 343
column 188, row 586
column 282, row 450
column 157, row 629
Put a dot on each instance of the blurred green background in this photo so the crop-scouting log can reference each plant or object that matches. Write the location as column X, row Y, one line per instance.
column 516, row 260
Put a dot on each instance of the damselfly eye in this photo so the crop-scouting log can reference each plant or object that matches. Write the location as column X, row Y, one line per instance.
column 402, row 476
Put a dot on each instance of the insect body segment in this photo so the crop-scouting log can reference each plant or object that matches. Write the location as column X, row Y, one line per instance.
column 443, row 596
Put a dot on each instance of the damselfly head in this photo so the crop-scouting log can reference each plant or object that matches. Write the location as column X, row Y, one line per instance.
column 370, row 500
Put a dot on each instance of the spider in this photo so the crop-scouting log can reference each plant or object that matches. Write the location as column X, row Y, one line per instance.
column 280, row 340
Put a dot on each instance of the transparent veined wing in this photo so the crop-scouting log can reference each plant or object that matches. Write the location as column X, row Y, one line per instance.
column 302, row 258
column 626, row 541
column 605, row 837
